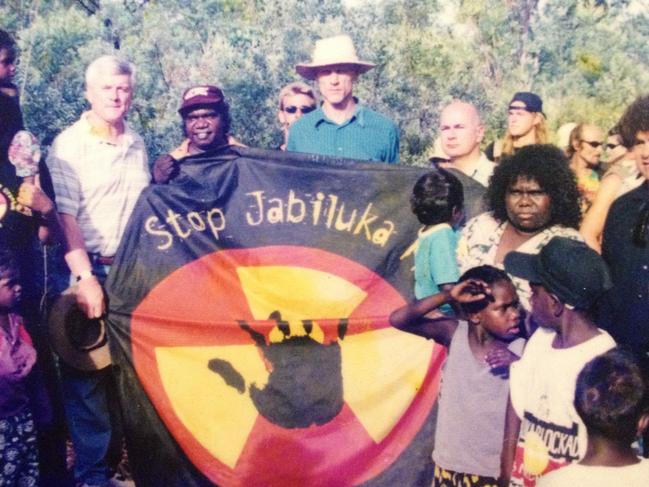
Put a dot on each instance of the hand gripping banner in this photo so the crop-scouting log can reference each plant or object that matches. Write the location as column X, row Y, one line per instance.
column 248, row 324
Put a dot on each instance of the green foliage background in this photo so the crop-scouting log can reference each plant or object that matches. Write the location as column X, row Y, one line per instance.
column 586, row 58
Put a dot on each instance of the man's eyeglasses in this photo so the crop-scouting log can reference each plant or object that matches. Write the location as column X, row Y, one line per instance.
column 8, row 61
column 593, row 143
column 303, row 109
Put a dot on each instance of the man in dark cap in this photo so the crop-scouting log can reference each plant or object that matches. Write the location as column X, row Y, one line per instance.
column 206, row 123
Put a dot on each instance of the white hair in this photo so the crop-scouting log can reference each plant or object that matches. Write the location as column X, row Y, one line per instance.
column 109, row 65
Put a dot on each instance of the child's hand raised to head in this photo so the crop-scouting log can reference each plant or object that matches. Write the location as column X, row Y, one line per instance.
column 470, row 290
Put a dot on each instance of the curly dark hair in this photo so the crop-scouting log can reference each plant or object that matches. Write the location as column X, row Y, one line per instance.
column 635, row 119
column 612, row 394
column 435, row 195
column 548, row 166
column 487, row 274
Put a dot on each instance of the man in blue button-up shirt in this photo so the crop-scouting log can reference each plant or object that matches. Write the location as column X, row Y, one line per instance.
column 342, row 126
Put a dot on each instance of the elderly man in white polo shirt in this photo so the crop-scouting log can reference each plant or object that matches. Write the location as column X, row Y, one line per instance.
column 98, row 167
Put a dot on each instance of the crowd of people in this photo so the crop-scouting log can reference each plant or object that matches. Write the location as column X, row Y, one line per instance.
column 532, row 268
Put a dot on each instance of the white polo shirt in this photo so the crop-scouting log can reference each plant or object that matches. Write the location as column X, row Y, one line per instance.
column 98, row 182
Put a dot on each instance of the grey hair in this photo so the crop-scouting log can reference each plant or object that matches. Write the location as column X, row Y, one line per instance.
column 108, row 64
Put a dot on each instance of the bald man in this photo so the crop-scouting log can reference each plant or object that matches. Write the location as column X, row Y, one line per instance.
column 462, row 131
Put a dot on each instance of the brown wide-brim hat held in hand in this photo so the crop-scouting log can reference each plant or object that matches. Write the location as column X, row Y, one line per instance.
column 79, row 341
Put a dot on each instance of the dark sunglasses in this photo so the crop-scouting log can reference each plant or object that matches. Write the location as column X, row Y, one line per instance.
column 593, row 143
column 303, row 109
column 612, row 146
column 8, row 61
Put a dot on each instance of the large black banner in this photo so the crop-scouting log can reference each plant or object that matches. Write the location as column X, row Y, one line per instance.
column 248, row 322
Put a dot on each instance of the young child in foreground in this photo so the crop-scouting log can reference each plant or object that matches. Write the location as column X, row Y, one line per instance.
column 473, row 398
column 18, row 453
column 612, row 399
column 543, row 430
column 437, row 200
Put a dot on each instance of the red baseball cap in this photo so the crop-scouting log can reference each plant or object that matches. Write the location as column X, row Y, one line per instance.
column 201, row 95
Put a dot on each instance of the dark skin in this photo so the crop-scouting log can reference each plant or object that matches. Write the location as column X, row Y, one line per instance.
column 204, row 130
column 602, row 451
column 528, row 213
column 489, row 330
column 572, row 328
column 10, row 290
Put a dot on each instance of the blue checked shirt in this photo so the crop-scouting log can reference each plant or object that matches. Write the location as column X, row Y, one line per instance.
column 367, row 136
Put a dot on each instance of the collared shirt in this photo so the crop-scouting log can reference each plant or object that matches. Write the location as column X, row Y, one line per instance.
column 367, row 135
column 480, row 239
column 98, row 182
column 627, row 317
column 481, row 171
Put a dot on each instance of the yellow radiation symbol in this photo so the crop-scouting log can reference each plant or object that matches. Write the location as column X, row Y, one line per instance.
column 536, row 457
column 373, row 363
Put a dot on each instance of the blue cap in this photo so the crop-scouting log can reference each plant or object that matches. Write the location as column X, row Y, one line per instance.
column 532, row 101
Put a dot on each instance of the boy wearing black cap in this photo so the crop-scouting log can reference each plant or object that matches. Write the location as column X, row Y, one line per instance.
column 544, row 431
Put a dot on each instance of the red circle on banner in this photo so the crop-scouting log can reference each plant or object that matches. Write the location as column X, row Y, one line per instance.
column 199, row 306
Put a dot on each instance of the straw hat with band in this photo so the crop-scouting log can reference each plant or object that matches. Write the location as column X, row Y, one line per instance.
column 333, row 51
column 79, row 341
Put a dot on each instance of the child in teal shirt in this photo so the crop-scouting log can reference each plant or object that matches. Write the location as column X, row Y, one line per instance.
column 437, row 200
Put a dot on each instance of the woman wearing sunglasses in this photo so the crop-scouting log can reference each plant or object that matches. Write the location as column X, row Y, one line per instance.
column 295, row 99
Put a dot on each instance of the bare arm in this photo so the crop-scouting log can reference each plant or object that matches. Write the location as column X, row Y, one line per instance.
column 512, row 427
column 32, row 196
column 456, row 308
column 413, row 317
column 593, row 223
column 90, row 295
